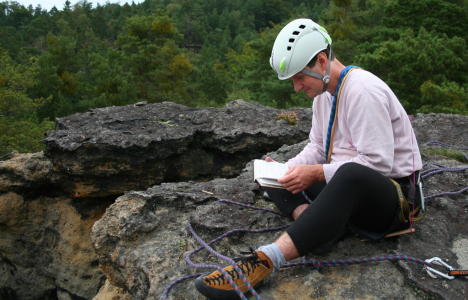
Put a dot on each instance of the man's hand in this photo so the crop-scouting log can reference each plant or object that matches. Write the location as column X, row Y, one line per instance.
column 300, row 177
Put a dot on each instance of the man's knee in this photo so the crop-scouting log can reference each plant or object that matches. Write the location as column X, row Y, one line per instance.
column 350, row 169
column 354, row 173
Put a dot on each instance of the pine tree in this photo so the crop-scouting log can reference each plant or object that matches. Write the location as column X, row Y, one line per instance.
column 19, row 127
column 406, row 64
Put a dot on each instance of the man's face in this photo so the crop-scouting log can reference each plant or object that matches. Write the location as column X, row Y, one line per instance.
column 311, row 85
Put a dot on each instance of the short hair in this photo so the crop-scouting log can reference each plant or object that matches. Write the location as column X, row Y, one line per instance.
column 313, row 61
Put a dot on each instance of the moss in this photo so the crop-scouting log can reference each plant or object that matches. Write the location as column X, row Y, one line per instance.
column 446, row 152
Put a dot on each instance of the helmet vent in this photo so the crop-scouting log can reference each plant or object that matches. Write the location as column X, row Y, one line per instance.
column 289, row 48
column 296, row 33
column 291, row 40
column 302, row 26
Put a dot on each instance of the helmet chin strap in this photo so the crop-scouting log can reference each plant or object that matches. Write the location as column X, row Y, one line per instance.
column 325, row 78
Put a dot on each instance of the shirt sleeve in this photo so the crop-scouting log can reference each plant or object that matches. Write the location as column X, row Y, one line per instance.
column 367, row 116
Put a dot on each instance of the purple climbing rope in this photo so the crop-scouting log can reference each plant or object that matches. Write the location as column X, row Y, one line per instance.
column 316, row 264
column 312, row 263
column 442, row 168
column 207, row 246
column 252, row 207
column 225, row 274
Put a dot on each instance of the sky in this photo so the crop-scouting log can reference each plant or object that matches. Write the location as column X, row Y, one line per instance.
column 48, row 4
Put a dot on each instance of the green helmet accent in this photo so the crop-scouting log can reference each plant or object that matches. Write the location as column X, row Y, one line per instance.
column 296, row 44
column 323, row 29
column 283, row 64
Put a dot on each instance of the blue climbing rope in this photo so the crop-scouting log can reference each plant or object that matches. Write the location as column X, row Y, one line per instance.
column 334, row 111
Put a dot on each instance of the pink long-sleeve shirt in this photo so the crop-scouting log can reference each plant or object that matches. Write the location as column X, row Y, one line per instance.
column 373, row 130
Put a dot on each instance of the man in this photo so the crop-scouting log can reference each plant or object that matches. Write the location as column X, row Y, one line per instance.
column 360, row 138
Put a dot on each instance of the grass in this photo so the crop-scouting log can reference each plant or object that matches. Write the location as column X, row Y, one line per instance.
column 446, row 152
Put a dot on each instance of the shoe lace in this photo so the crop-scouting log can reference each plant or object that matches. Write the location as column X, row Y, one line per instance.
column 247, row 264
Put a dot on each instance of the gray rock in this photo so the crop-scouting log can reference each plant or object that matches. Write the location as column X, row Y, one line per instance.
column 160, row 258
column 110, row 150
column 445, row 128
column 48, row 204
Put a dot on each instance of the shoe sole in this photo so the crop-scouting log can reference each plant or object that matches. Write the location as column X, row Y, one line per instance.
column 216, row 294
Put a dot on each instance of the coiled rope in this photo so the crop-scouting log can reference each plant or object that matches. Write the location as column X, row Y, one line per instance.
column 311, row 263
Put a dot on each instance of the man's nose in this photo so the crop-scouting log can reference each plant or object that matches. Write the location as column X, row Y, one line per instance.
column 297, row 86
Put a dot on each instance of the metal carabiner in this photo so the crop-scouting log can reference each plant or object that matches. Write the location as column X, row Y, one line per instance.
column 423, row 207
column 431, row 271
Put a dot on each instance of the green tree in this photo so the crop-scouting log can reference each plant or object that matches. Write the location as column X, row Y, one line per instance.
column 213, row 81
column 434, row 15
column 159, row 68
column 19, row 127
column 99, row 22
column 111, row 83
column 352, row 23
column 342, row 11
column 412, row 60
column 59, row 75
column 10, row 39
column 266, row 11
column 119, row 54
column 16, row 14
column 250, row 71
column 448, row 97
column 36, row 32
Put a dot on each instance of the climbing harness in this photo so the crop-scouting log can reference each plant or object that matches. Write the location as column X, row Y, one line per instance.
column 429, row 264
column 406, row 213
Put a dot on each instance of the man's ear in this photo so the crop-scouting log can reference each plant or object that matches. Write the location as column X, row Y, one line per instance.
column 322, row 60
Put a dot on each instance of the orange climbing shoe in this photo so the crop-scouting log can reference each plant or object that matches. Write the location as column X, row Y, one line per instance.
column 256, row 267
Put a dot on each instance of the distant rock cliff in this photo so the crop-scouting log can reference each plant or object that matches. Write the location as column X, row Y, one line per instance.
column 139, row 174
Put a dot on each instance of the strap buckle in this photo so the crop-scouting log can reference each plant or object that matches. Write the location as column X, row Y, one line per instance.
column 437, row 261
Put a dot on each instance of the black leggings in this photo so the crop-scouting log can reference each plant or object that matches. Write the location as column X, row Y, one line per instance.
column 356, row 195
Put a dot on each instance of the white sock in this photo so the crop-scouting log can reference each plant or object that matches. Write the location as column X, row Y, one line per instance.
column 274, row 253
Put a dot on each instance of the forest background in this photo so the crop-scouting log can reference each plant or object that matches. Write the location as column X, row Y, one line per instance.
column 207, row 52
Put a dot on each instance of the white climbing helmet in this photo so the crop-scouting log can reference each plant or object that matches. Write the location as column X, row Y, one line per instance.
column 296, row 44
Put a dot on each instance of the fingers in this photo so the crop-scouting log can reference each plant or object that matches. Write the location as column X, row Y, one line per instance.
column 296, row 187
column 298, row 178
column 288, row 176
column 269, row 159
column 291, row 181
